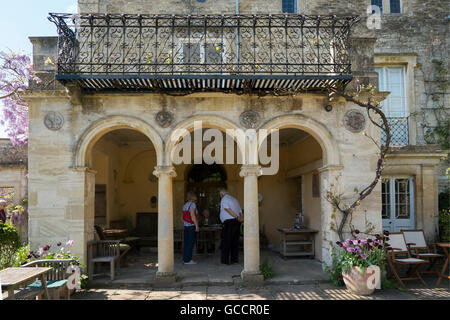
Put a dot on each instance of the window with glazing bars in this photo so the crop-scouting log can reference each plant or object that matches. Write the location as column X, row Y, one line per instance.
column 395, row 6
column 378, row 3
column 289, row 6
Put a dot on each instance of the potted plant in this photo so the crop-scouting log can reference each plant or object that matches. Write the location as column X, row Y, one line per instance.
column 359, row 260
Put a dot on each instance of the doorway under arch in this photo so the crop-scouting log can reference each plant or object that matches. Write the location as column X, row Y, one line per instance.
column 205, row 181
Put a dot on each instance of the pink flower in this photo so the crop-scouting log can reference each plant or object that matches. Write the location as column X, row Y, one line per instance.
column 70, row 243
column 355, row 242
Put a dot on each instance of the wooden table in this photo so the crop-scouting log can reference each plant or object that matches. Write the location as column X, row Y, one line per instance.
column 115, row 234
column 285, row 242
column 203, row 237
column 13, row 278
column 442, row 274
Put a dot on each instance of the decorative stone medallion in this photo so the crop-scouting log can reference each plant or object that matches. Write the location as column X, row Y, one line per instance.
column 354, row 121
column 164, row 118
column 54, row 120
column 249, row 119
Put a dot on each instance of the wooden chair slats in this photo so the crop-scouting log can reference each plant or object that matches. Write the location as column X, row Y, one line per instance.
column 398, row 246
column 103, row 251
column 419, row 248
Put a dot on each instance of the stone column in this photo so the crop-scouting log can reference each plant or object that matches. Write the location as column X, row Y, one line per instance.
column 251, row 270
column 328, row 175
column 165, row 272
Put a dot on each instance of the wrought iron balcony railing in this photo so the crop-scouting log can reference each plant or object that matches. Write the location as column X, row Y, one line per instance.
column 399, row 128
column 211, row 52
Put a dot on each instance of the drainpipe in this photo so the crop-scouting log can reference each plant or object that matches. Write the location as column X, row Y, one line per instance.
column 237, row 36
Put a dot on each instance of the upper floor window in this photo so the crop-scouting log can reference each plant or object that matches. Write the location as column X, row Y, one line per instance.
column 388, row 6
column 392, row 79
column 378, row 3
column 395, row 6
column 289, row 6
column 198, row 51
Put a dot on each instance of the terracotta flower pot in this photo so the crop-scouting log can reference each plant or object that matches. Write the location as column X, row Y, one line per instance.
column 357, row 283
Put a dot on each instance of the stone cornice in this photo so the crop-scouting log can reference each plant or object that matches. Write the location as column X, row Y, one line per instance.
column 331, row 167
column 45, row 94
column 83, row 169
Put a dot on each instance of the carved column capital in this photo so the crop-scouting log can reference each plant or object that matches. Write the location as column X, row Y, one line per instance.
column 163, row 170
column 249, row 170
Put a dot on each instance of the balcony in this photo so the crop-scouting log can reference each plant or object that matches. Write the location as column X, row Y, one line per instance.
column 228, row 53
column 399, row 128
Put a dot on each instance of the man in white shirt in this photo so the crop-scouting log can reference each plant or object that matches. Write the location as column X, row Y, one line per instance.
column 231, row 216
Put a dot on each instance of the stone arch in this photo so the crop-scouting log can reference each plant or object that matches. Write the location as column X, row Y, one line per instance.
column 330, row 149
column 99, row 128
column 128, row 176
column 208, row 121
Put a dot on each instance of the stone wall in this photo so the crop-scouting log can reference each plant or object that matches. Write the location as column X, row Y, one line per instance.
column 60, row 195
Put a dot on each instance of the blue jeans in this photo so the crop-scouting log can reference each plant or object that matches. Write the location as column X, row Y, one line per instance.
column 189, row 240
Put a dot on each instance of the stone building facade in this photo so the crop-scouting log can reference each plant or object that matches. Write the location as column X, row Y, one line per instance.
column 122, row 141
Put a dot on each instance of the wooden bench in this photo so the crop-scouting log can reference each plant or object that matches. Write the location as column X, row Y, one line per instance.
column 56, row 278
column 103, row 251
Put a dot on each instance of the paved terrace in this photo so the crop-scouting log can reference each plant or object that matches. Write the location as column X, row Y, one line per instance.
column 296, row 279
column 321, row 291
column 209, row 271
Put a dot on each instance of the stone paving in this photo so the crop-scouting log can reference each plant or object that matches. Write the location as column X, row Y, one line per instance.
column 321, row 291
column 209, row 271
column 295, row 279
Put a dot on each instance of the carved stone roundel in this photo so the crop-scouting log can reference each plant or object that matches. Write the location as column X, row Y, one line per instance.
column 164, row 118
column 54, row 120
column 250, row 119
column 354, row 121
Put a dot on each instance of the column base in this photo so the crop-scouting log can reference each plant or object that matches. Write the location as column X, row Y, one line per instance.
column 252, row 276
column 164, row 278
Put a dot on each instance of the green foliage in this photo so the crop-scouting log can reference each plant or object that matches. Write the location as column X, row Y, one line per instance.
column 266, row 269
column 437, row 131
column 9, row 245
column 335, row 270
column 358, row 252
column 363, row 253
column 444, row 199
column 9, row 236
column 11, row 257
column 84, row 281
column 444, row 225
column 388, row 284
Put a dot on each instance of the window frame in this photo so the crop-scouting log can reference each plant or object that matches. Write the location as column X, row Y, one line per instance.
column 295, row 2
column 385, row 88
column 201, row 42
column 392, row 196
column 386, row 7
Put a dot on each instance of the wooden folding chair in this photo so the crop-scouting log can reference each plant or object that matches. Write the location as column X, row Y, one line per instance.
column 418, row 247
column 398, row 247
